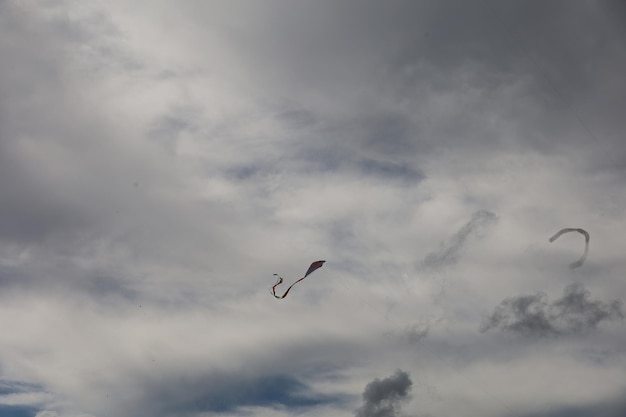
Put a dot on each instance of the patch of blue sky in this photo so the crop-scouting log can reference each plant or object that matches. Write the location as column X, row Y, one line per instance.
column 18, row 411
column 266, row 391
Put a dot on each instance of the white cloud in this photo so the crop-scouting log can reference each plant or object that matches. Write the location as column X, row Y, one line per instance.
column 158, row 164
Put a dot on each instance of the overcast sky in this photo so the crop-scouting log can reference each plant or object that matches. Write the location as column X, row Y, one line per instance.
column 160, row 161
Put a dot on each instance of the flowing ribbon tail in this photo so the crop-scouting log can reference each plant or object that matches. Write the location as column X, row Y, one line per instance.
column 287, row 292
column 315, row 265
column 280, row 281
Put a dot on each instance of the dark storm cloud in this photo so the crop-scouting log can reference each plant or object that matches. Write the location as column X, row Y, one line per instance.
column 38, row 109
column 30, row 103
column 553, row 41
column 540, row 66
column 534, row 315
column 448, row 253
column 382, row 398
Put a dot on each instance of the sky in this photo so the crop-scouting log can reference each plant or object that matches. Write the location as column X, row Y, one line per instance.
column 160, row 161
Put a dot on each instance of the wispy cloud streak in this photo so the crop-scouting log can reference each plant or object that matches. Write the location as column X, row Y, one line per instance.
column 448, row 253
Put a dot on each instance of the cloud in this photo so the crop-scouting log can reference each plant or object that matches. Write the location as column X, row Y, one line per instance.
column 19, row 399
column 448, row 253
column 579, row 313
column 227, row 393
column 390, row 170
column 610, row 408
column 178, row 169
column 382, row 398
column 533, row 315
column 12, row 411
column 47, row 413
column 411, row 334
column 416, row 332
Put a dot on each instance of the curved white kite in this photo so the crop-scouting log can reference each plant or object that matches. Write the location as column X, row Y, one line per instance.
column 582, row 232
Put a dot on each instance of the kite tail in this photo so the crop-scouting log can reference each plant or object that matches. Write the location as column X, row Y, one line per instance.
column 278, row 282
column 286, row 292
column 315, row 265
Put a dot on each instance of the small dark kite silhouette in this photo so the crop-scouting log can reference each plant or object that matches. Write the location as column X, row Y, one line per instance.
column 315, row 265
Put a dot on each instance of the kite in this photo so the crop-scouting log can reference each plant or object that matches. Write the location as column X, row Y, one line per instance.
column 315, row 265
column 581, row 231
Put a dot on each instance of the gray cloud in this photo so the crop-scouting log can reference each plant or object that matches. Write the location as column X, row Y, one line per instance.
column 11, row 387
column 382, row 398
column 258, row 134
column 106, row 288
column 166, row 130
column 615, row 408
column 534, row 315
column 413, row 53
column 526, row 314
column 225, row 393
column 71, row 283
column 448, row 253
column 390, row 170
column 410, row 334
column 416, row 332
column 19, row 399
column 295, row 117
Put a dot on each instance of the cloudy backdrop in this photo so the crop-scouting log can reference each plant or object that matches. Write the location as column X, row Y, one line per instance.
column 160, row 160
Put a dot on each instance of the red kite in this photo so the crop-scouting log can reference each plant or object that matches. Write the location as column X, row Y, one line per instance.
column 315, row 265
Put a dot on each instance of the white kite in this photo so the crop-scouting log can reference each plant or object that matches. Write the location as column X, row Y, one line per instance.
column 581, row 231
